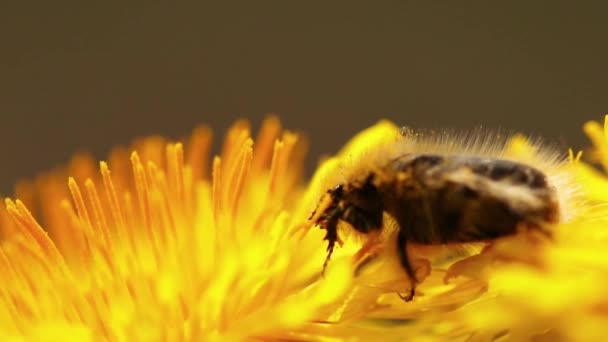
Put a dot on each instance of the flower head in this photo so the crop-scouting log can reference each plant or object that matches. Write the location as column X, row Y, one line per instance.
column 166, row 249
column 163, row 244
column 520, row 287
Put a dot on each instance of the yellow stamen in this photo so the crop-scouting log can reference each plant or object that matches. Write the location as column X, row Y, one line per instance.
column 200, row 145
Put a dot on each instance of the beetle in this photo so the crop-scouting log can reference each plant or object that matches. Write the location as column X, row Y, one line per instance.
column 438, row 199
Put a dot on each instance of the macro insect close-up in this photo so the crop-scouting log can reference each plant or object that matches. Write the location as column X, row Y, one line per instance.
column 271, row 171
column 438, row 192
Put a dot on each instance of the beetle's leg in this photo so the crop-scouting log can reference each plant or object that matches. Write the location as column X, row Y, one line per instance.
column 364, row 262
column 367, row 252
column 405, row 263
column 330, row 251
column 332, row 237
column 370, row 247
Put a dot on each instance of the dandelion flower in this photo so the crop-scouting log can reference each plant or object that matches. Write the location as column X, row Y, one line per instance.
column 522, row 288
column 160, row 243
column 166, row 249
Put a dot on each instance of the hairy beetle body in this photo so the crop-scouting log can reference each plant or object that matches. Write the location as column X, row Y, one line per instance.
column 441, row 199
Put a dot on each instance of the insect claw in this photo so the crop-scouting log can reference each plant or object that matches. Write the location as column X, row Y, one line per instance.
column 409, row 296
column 324, row 267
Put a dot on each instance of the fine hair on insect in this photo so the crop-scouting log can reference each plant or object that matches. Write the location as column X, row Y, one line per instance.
column 443, row 188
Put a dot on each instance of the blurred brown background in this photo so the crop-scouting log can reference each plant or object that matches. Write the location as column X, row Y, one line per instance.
column 76, row 76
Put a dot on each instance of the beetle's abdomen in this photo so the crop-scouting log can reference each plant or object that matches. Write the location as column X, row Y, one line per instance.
column 439, row 199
